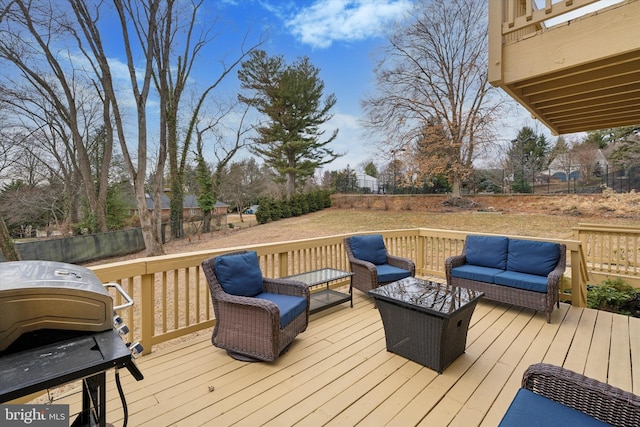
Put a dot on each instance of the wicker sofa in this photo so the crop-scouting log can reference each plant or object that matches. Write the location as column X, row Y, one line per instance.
column 555, row 396
column 525, row 273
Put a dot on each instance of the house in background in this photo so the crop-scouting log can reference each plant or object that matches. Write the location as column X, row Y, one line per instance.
column 190, row 207
column 220, row 208
column 366, row 181
column 563, row 164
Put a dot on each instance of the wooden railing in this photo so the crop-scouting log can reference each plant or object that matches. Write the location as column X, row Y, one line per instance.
column 610, row 252
column 513, row 20
column 520, row 14
column 172, row 297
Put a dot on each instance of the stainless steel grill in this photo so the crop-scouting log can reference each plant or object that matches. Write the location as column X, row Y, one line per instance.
column 57, row 325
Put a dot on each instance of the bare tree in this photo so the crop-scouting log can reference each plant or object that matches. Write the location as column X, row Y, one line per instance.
column 433, row 88
column 31, row 35
column 243, row 184
column 172, row 74
column 585, row 155
column 7, row 246
column 48, row 141
column 143, row 17
column 224, row 150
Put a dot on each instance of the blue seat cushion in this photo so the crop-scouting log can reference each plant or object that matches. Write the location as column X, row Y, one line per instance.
column 239, row 274
column 529, row 409
column 487, row 251
column 389, row 273
column 369, row 248
column 528, row 256
column 528, row 282
column 475, row 272
column 289, row 306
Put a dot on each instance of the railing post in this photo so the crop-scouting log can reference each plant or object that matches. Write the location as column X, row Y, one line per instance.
column 283, row 264
column 420, row 253
column 578, row 285
column 147, row 311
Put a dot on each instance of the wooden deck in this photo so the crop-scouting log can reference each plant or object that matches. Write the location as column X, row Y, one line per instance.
column 338, row 372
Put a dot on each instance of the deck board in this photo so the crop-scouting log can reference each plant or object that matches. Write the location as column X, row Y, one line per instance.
column 634, row 344
column 338, row 372
column 619, row 371
column 596, row 366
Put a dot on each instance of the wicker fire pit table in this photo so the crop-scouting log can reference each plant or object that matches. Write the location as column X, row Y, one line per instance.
column 425, row 321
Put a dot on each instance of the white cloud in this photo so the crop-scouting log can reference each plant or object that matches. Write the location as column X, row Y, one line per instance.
column 327, row 21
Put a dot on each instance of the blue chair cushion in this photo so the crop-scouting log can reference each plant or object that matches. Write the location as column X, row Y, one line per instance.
column 289, row 306
column 369, row 248
column 389, row 273
column 477, row 273
column 487, row 251
column 528, row 282
column 239, row 274
column 529, row 409
column 528, row 256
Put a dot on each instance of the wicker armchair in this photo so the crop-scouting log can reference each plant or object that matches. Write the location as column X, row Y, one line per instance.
column 566, row 389
column 255, row 327
column 371, row 264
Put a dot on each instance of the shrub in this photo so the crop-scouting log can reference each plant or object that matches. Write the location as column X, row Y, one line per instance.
column 613, row 295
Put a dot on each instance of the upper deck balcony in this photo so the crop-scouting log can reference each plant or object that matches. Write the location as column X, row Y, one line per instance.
column 579, row 75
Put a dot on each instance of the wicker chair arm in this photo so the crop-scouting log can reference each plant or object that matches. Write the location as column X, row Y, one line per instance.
column 555, row 276
column 404, row 263
column 285, row 287
column 288, row 287
column 362, row 269
column 455, row 261
column 262, row 311
column 596, row 399
column 452, row 262
column 553, row 281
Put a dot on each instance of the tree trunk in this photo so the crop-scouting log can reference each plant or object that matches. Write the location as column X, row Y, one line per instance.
column 152, row 245
column 176, row 204
column 291, row 183
column 455, row 188
column 6, row 243
column 206, row 221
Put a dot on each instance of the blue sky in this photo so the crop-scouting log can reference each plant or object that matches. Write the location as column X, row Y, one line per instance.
column 338, row 36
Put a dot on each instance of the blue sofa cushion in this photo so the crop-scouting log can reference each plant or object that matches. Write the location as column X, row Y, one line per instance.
column 389, row 273
column 528, row 282
column 289, row 306
column 475, row 272
column 528, row 256
column 487, row 251
column 239, row 274
column 530, row 409
column 369, row 248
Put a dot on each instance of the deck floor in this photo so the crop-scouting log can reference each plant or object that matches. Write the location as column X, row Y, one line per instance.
column 338, row 372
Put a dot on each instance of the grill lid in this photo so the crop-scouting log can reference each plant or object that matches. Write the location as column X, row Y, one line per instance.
column 37, row 295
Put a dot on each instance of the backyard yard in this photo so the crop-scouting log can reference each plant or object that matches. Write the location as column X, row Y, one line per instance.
column 526, row 215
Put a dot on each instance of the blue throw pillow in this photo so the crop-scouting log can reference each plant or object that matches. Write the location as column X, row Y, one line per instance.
column 369, row 248
column 487, row 251
column 529, row 256
column 239, row 274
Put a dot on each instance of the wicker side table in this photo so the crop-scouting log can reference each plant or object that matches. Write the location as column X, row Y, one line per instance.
column 425, row 321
